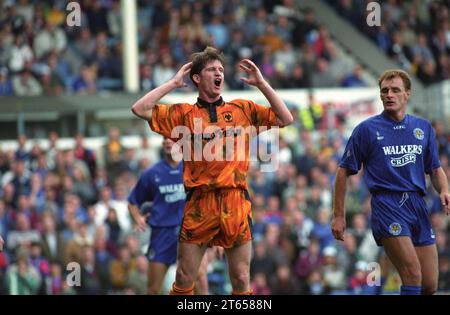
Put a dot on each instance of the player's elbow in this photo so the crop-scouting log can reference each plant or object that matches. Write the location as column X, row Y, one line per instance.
column 286, row 121
column 135, row 109
column 289, row 119
column 139, row 110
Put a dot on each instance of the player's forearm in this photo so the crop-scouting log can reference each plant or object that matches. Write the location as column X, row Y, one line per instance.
column 340, row 188
column 143, row 107
column 134, row 212
column 279, row 107
column 439, row 180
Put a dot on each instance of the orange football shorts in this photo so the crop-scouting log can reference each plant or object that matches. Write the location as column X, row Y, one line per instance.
column 219, row 217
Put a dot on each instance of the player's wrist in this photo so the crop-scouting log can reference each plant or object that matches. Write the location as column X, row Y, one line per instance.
column 262, row 84
column 339, row 216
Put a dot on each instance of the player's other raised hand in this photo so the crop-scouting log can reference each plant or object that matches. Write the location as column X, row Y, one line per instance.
column 178, row 79
column 255, row 76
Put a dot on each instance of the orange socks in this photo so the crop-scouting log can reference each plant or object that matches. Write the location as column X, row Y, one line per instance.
column 249, row 292
column 190, row 291
column 178, row 291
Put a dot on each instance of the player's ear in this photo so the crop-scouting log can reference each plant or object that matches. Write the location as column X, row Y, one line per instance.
column 196, row 78
column 408, row 93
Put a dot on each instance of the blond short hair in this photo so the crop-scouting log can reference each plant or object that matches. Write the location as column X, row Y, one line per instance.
column 394, row 73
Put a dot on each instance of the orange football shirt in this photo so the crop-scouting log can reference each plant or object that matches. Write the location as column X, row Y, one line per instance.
column 218, row 153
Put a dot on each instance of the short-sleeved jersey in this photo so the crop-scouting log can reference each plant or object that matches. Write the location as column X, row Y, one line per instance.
column 395, row 155
column 162, row 185
column 222, row 129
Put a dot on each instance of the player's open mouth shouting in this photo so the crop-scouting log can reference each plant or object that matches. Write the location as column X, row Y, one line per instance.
column 218, row 82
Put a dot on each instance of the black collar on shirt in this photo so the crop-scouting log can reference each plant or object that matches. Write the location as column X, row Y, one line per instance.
column 211, row 107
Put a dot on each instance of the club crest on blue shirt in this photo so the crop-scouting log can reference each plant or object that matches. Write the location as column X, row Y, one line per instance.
column 418, row 133
column 395, row 228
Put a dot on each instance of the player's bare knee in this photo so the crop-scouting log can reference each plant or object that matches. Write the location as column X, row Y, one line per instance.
column 184, row 278
column 241, row 280
column 411, row 275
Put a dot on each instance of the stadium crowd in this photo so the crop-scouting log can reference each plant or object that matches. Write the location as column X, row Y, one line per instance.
column 415, row 34
column 41, row 55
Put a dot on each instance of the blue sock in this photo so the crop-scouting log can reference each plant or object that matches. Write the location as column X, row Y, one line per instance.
column 410, row 290
column 379, row 289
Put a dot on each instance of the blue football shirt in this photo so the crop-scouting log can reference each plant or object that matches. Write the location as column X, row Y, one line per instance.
column 162, row 186
column 395, row 155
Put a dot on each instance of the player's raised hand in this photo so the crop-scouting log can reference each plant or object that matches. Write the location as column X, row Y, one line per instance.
column 255, row 77
column 1, row 243
column 445, row 201
column 178, row 79
column 338, row 228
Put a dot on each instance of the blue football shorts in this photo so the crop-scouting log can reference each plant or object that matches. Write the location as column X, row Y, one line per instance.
column 401, row 214
column 163, row 245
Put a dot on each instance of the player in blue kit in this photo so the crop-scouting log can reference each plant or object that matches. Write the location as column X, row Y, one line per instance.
column 397, row 150
column 158, row 200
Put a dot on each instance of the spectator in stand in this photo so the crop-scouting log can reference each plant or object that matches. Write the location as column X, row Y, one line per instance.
column 25, row 84
column 85, row 45
column 259, row 284
column 315, row 284
column 322, row 229
column 20, row 55
column 82, row 184
column 120, row 269
column 333, row 274
column 354, row 79
column 54, row 281
column 51, row 240
column 40, row 263
column 283, row 283
column 322, row 76
column 94, row 280
column 137, row 277
column 262, row 261
column 96, row 13
column 147, row 81
column 51, row 38
column 22, row 234
column 308, row 260
column 85, row 154
column 113, row 153
column 86, row 82
column 22, row 278
column 6, row 88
